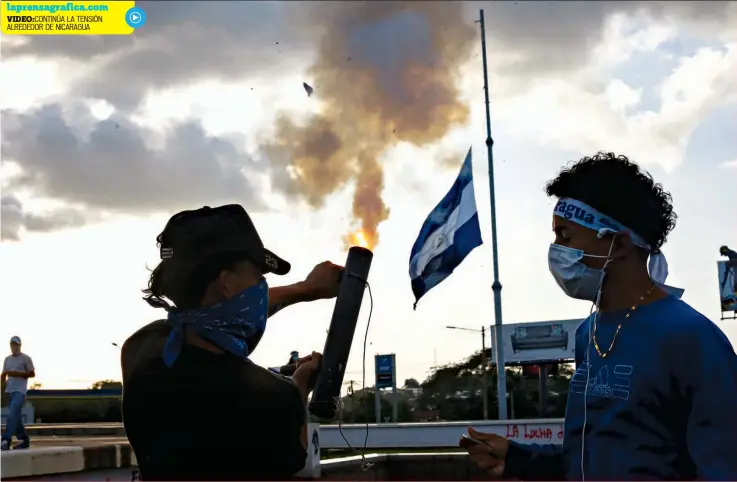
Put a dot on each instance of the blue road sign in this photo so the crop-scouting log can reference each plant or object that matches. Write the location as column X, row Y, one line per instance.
column 385, row 371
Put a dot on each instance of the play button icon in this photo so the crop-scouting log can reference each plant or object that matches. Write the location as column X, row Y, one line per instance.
column 135, row 17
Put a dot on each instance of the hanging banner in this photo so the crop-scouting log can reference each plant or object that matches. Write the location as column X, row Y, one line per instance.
column 727, row 271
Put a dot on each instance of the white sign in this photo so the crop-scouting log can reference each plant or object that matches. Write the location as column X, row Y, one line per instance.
column 537, row 342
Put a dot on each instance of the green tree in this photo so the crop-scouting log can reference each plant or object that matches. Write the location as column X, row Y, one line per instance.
column 360, row 407
column 411, row 383
column 456, row 391
column 106, row 385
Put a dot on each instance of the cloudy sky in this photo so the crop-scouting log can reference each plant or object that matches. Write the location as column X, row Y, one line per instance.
column 104, row 138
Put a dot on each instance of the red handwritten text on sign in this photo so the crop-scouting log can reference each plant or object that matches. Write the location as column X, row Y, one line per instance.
column 535, row 433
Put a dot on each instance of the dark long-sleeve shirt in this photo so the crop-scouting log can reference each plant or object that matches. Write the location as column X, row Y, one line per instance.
column 209, row 417
column 660, row 406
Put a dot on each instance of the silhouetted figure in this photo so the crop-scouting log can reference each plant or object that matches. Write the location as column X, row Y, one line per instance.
column 731, row 269
column 725, row 251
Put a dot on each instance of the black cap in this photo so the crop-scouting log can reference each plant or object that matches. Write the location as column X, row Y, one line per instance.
column 192, row 236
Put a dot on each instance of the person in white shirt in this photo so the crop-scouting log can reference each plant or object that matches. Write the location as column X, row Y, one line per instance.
column 17, row 369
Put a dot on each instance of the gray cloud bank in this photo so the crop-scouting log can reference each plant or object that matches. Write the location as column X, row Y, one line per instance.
column 185, row 42
column 13, row 218
column 114, row 168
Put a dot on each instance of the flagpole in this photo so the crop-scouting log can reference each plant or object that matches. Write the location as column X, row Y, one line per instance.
column 496, row 286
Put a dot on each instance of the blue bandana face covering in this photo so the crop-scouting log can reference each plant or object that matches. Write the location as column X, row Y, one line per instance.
column 234, row 325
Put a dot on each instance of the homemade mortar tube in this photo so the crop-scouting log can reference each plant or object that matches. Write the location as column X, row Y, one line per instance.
column 340, row 335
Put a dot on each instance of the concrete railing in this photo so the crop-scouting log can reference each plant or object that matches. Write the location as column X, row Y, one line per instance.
column 56, row 463
column 36, row 462
column 438, row 466
column 385, row 435
column 48, row 462
column 437, row 434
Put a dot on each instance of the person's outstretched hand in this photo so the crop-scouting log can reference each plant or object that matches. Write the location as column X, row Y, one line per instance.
column 323, row 281
column 490, row 455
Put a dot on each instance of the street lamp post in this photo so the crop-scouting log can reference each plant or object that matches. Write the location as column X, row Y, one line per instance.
column 484, row 381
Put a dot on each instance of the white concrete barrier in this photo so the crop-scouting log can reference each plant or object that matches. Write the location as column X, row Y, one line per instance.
column 41, row 461
column 52, row 461
column 437, row 434
column 36, row 462
column 312, row 464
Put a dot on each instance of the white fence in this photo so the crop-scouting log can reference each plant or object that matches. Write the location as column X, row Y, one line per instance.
column 437, row 434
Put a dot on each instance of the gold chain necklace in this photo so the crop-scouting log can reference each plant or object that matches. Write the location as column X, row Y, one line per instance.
column 619, row 327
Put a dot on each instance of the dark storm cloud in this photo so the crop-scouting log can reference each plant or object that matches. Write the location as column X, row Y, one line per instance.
column 387, row 72
column 558, row 36
column 113, row 168
column 384, row 71
column 13, row 218
column 184, row 42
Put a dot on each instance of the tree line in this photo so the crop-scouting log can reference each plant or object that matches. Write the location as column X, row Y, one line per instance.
column 450, row 392
column 455, row 392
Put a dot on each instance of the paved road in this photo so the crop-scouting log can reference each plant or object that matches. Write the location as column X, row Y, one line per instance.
column 80, row 441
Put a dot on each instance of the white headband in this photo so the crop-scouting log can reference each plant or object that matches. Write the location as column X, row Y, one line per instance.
column 588, row 217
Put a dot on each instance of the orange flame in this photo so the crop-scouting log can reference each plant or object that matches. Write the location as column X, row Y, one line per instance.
column 360, row 238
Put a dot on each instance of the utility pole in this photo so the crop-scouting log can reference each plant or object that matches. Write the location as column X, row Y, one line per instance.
column 484, row 380
column 377, row 403
column 353, row 403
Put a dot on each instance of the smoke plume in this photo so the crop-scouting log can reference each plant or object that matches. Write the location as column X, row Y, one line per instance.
column 385, row 73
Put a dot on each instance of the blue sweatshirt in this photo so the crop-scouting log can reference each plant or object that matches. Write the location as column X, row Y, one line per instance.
column 662, row 405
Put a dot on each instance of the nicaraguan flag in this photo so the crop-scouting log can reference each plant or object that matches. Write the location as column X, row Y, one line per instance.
column 450, row 232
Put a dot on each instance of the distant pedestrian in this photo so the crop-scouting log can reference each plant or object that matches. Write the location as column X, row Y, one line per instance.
column 725, row 251
column 17, row 369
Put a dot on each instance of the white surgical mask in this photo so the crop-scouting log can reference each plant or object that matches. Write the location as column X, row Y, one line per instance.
column 575, row 278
